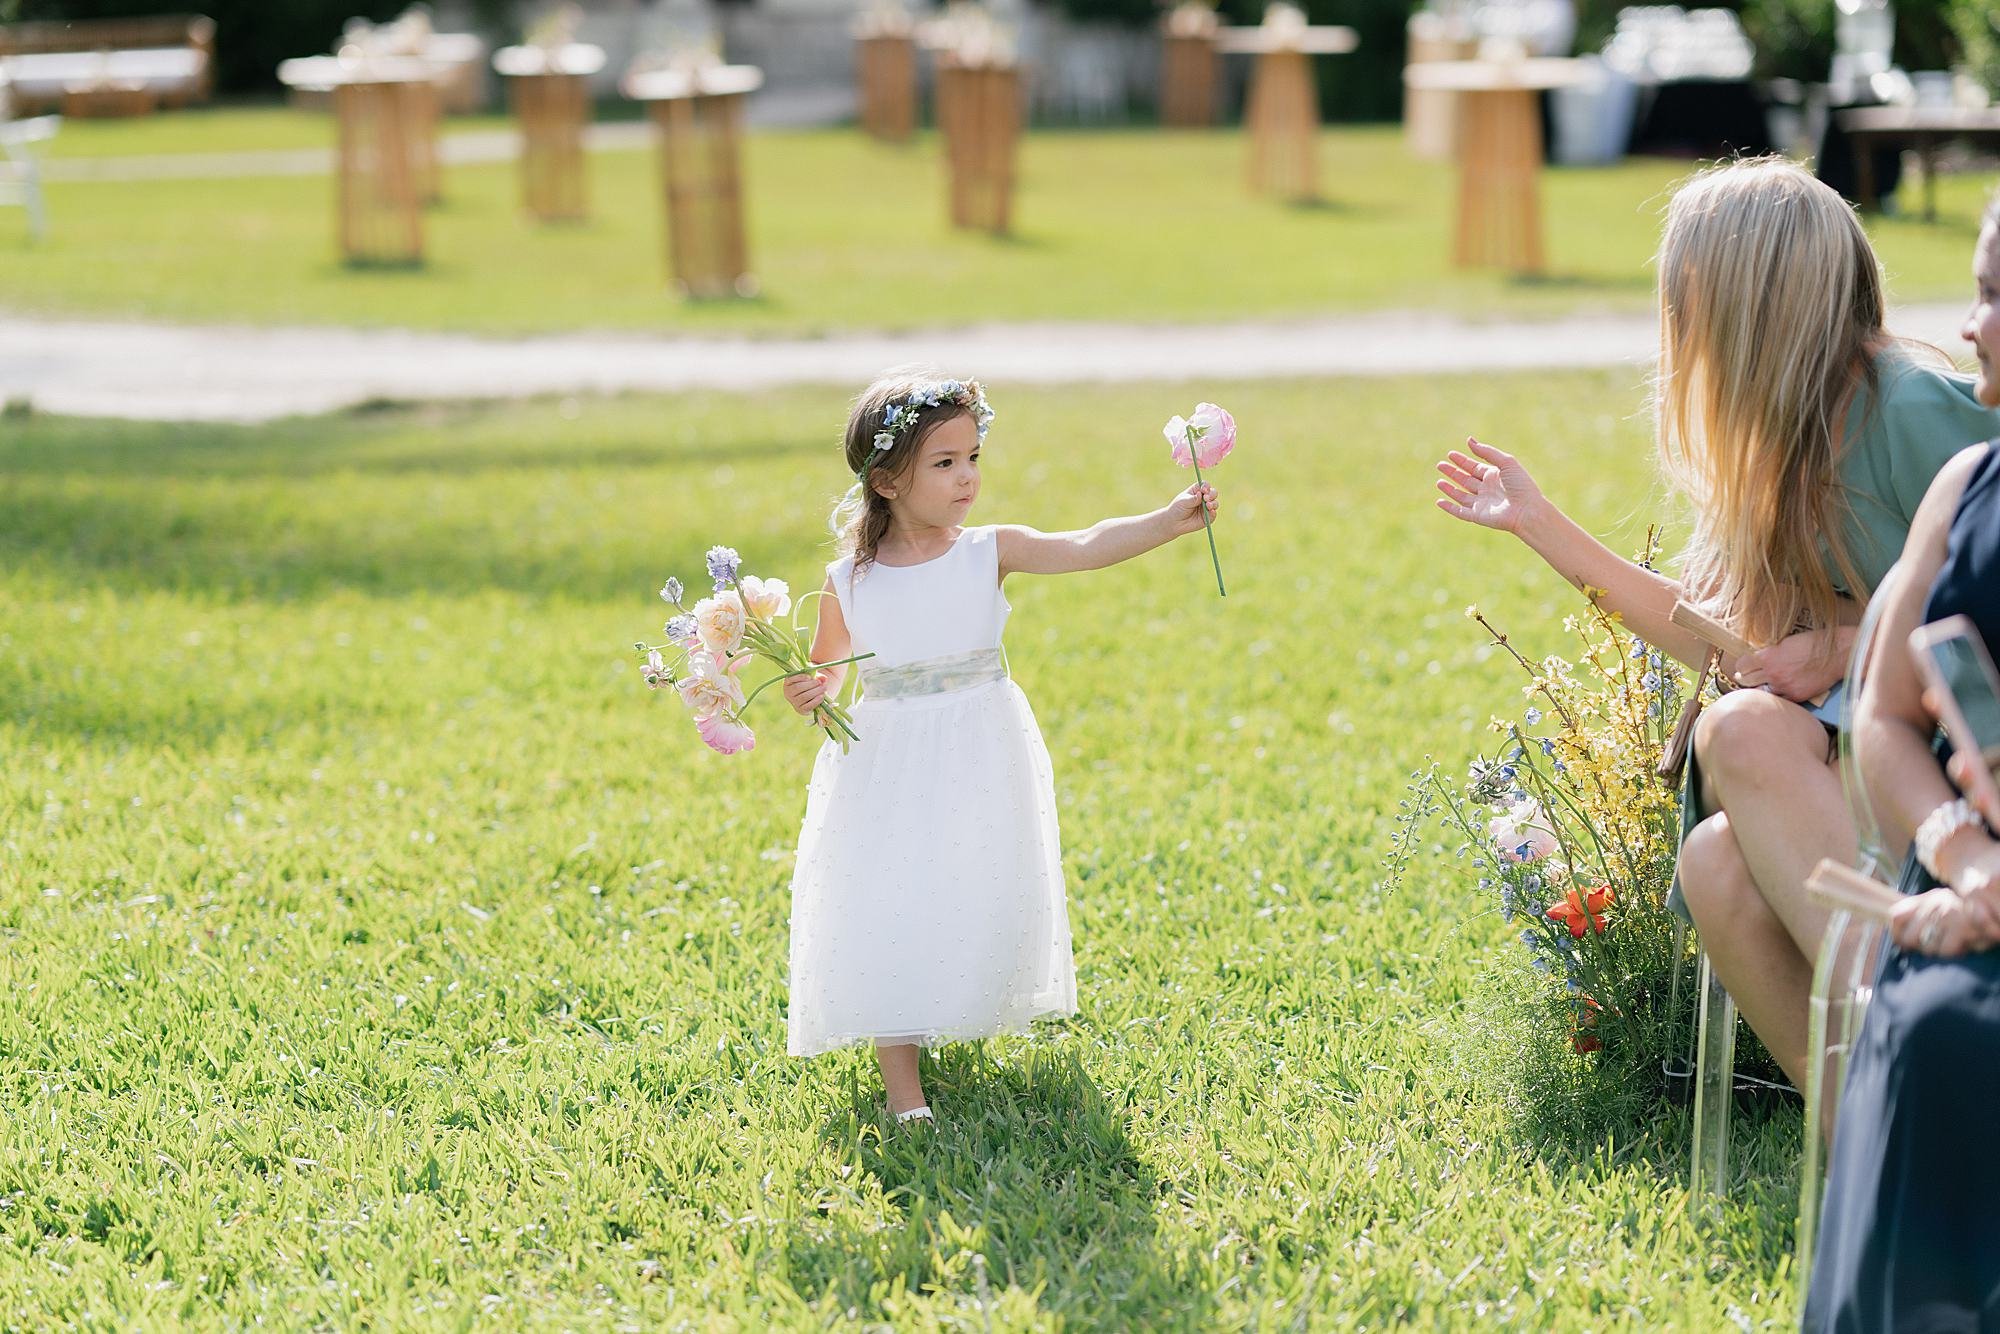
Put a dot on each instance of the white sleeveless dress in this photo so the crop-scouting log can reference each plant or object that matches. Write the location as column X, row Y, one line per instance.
column 927, row 898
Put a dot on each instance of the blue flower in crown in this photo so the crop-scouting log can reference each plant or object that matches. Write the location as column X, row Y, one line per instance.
column 899, row 413
column 722, row 566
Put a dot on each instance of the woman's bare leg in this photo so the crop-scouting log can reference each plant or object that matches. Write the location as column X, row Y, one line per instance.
column 1747, row 943
column 899, row 1075
column 1764, row 762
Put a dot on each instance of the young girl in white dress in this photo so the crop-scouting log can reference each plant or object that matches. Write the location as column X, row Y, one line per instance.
column 927, row 900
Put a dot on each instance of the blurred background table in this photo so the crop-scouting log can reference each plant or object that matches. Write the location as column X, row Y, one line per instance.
column 550, row 92
column 1283, row 108
column 980, row 112
column 1921, row 128
column 699, row 113
column 1499, row 222
column 384, row 167
column 885, row 71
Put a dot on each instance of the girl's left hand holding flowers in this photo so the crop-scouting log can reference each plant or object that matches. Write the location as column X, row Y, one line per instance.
column 721, row 633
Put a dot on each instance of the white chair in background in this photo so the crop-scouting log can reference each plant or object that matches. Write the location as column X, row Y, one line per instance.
column 20, row 171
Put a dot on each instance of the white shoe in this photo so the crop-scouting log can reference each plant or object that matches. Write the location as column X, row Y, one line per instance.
column 916, row 1114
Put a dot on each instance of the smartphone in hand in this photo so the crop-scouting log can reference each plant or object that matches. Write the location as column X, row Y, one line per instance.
column 1952, row 660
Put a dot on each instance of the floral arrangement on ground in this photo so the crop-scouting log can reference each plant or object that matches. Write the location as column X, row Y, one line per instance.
column 1570, row 828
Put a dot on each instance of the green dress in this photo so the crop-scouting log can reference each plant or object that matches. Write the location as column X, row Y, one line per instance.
column 1900, row 431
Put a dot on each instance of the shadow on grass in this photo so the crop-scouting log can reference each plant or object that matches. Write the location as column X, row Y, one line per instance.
column 372, row 438
column 1582, row 282
column 1030, row 1168
column 1752, row 1225
column 1330, row 207
column 305, row 508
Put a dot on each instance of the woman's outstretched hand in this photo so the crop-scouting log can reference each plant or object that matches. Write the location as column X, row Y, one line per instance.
column 1488, row 486
column 1186, row 510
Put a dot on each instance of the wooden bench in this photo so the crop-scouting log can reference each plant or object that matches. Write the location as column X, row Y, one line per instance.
column 109, row 65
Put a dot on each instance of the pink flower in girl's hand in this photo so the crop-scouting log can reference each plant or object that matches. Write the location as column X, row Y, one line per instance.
column 1203, row 441
column 725, row 735
column 1205, row 438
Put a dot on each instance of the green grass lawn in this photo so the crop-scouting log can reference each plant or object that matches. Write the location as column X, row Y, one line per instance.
column 849, row 234
column 382, row 953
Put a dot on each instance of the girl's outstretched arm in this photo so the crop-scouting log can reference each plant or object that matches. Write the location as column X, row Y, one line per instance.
column 1107, row 542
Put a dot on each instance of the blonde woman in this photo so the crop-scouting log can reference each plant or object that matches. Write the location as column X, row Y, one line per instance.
column 1804, row 437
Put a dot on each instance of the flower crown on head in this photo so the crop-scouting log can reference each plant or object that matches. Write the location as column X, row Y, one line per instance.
column 902, row 411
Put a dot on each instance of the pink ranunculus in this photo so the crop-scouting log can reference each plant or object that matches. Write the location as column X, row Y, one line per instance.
column 710, row 688
column 1523, row 834
column 1205, row 438
column 725, row 735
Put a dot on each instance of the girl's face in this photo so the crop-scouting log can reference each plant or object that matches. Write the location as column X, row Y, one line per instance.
column 1982, row 322
column 944, row 481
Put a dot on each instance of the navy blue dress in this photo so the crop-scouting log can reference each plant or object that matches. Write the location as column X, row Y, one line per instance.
column 1910, row 1235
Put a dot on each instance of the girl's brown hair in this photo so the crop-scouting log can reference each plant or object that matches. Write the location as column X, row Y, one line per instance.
column 862, row 517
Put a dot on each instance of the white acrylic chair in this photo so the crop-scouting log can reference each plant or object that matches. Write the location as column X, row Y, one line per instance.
column 1842, row 978
column 20, row 172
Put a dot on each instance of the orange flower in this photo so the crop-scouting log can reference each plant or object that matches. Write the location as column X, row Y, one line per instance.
column 1586, row 1018
column 1582, row 909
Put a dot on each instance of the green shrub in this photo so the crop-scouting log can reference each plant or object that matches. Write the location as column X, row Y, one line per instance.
column 1976, row 25
column 1793, row 38
column 251, row 36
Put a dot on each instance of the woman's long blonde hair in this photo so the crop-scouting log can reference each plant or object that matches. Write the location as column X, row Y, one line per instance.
column 1770, row 311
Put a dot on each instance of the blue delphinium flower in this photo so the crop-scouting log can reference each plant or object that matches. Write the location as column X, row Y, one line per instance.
column 671, row 591
column 1651, row 682
column 723, row 562
column 681, row 629
column 1533, row 715
column 1548, row 746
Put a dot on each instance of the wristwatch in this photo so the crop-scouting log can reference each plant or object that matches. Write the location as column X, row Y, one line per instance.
column 1939, row 826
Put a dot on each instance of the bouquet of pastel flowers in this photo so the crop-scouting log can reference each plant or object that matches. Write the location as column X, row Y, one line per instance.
column 721, row 634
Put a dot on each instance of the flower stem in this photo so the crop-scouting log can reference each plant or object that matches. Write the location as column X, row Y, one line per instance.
column 1205, row 526
column 807, row 670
